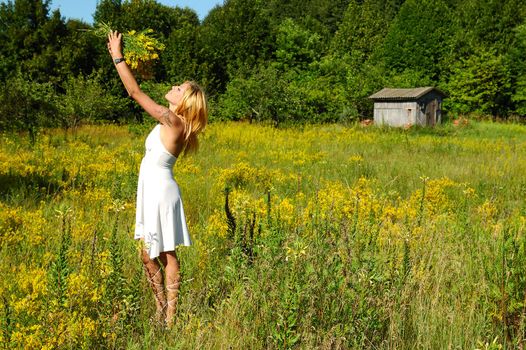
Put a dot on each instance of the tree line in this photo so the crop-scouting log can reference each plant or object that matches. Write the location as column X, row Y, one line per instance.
column 278, row 61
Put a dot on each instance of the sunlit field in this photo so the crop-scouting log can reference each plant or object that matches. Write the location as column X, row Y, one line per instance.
column 332, row 237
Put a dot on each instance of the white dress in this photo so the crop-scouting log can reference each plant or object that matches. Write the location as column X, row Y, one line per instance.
column 160, row 219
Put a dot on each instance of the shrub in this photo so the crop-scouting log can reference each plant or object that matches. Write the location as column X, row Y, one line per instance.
column 85, row 100
column 26, row 105
column 264, row 96
column 480, row 84
column 271, row 95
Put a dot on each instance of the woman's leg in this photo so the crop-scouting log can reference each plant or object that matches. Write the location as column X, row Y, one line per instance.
column 155, row 279
column 173, row 280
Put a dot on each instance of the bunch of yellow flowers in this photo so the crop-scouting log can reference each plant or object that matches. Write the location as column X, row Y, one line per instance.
column 139, row 47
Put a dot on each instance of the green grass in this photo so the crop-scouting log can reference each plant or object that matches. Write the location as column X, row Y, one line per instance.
column 372, row 239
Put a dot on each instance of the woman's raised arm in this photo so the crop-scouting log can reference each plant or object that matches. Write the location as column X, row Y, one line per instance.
column 161, row 113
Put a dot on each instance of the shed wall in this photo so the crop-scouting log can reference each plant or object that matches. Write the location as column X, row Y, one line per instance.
column 396, row 113
column 436, row 108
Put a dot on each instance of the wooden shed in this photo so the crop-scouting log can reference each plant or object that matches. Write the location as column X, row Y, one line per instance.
column 403, row 107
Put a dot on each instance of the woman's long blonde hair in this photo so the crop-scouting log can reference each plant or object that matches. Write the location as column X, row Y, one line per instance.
column 194, row 111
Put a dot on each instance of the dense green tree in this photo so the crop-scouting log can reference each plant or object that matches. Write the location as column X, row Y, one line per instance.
column 357, row 46
column 233, row 37
column 418, row 38
column 354, row 63
column 296, row 47
column 265, row 96
column 142, row 14
column 517, row 64
column 485, row 30
column 317, row 92
column 181, row 59
column 109, row 12
column 78, row 52
column 31, row 39
column 85, row 100
column 486, row 24
column 319, row 16
column 27, row 105
column 480, row 84
column 363, row 28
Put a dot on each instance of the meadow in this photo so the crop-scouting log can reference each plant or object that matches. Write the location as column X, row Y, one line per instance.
column 318, row 237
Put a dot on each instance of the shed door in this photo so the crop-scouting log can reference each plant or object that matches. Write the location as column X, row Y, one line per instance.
column 431, row 112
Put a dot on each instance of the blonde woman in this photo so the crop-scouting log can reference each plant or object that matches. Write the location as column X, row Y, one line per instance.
column 160, row 220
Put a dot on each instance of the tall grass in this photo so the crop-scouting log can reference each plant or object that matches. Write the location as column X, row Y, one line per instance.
column 338, row 238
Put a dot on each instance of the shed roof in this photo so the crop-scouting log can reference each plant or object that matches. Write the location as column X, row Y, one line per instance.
column 404, row 94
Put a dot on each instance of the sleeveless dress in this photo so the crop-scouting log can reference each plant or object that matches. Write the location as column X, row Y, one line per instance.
column 160, row 219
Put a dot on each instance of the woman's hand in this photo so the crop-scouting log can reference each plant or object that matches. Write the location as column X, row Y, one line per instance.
column 114, row 44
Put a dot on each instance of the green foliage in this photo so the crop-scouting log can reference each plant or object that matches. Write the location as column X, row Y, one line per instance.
column 296, row 47
column 156, row 91
column 517, row 65
column 31, row 39
column 323, row 58
column 262, row 97
column 507, row 290
column 60, row 268
column 408, row 78
column 77, row 52
column 121, row 299
column 274, row 94
column 480, row 84
column 235, row 36
column 86, row 101
column 181, row 57
column 418, row 37
column 139, row 15
column 485, row 24
column 319, row 16
column 363, row 28
column 26, row 105
column 109, row 11
column 285, row 335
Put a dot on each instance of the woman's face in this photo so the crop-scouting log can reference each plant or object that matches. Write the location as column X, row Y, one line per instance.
column 175, row 95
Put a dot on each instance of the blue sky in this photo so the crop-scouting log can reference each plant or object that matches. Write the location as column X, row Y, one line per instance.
column 84, row 9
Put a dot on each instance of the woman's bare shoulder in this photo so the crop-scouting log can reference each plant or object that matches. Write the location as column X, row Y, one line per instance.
column 173, row 123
